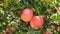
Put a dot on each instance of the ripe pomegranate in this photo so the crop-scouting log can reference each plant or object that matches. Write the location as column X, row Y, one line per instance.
column 37, row 22
column 53, row 26
column 26, row 15
column 46, row 32
column 8, row 30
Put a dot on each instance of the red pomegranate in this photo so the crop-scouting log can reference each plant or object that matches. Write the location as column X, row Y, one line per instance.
column 8, row 30
column 46, row 32
column 37, row 22
column 26, row 15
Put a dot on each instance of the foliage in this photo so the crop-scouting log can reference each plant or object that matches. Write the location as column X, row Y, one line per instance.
column 10, row 11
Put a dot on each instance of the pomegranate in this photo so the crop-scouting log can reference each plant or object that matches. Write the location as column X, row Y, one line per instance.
column 26, row 15
column 37, row 22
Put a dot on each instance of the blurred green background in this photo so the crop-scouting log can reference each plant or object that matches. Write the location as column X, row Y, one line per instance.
column 10, row 11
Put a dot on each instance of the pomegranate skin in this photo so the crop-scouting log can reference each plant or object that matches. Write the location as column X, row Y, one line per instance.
column 26, row 15
column 46, row 32
column 8, row 30
column 37, row 22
